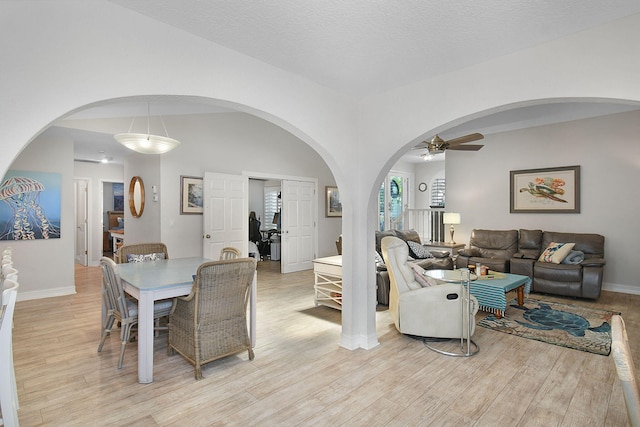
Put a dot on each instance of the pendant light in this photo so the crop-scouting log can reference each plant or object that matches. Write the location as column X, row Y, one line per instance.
column 147, row 143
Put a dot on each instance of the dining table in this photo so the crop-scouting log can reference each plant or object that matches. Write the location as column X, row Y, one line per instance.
column 155, row 280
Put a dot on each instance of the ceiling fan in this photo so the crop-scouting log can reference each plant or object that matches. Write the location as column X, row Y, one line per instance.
column 438, row 145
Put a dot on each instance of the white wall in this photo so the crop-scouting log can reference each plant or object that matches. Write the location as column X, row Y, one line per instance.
column 426, row 172
column 47, row 73
column 608, row 153
column 256, row 198
column 226, row 143
column 234, row 143
column 46, row 266
column 146, row 228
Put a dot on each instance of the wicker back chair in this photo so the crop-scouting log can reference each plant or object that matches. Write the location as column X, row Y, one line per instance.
column 211, row 322
column 141, row 249
column 118, row 307
column 229, row 253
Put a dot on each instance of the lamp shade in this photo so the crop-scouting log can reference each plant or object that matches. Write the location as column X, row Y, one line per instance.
column 451, row 218
column 146, row 144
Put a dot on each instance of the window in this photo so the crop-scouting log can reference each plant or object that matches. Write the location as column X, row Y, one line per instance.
column 437, row 193
column 393, row 201
column 271, row 206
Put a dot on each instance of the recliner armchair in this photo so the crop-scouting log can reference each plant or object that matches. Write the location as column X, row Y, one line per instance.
column 434, row 311
column 441, row 260
column 493, row 248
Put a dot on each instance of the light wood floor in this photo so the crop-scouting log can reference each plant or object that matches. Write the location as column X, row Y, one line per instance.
column 300, row 375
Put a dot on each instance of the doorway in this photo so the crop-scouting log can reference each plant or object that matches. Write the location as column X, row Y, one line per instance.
column 112, row 210
column 81, row 232
column 265, row 202
column 393, row 200
column 287, row 208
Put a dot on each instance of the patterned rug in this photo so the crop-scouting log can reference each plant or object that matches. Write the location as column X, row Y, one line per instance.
column 566, row 325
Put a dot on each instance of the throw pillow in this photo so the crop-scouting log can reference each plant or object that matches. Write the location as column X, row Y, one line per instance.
column 556, row 252
column 416, row 250
column 145, row 257
column 422, row 279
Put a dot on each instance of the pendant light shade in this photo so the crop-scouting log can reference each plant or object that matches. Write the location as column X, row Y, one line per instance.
column 147, row 143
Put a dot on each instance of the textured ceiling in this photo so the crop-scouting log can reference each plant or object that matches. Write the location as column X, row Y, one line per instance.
column 362, row 47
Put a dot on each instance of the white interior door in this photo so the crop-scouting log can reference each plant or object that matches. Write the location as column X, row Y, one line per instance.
column 81, row 230
column 225, row 213
column 298, row 225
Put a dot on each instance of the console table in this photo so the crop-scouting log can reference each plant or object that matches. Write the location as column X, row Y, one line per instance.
column 328, row 281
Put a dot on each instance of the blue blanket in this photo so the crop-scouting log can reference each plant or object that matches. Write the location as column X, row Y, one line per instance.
column 574, row 257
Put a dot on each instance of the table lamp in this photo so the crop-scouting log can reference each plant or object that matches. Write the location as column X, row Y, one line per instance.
column 451, row 218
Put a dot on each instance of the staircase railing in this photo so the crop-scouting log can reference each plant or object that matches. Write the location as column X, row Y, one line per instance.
column 427, row 222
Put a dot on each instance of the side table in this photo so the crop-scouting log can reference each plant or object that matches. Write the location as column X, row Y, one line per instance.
column 464, row 277
column 453, row 248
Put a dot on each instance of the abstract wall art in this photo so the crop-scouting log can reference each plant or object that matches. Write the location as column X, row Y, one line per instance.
column 30, row 205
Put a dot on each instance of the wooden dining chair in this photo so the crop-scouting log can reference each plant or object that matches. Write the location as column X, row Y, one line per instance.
column 229, row 253
column 142, row 252
column 122, row 309
column 211, row 322
column 8, row 390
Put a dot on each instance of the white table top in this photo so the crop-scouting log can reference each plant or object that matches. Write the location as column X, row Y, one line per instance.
column 152, row 275
column 331, row 260
column 456, row 276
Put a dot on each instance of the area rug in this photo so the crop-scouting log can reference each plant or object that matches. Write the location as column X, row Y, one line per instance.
column 565, row 325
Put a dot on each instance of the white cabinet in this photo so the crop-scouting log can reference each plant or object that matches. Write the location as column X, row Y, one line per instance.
column 328, row 281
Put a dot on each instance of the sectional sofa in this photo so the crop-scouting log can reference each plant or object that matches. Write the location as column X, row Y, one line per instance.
column 578, row 274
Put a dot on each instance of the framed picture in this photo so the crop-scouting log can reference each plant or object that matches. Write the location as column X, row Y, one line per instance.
column 30, row 205
column 548, row 190
column 191, row 195
column 333, row 203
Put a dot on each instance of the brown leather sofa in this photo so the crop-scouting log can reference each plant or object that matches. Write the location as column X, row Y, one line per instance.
column 582, row 280
column 441, row 260
column 518, row 252
column 493, row 248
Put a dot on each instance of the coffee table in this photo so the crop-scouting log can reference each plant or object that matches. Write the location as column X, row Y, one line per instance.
column 491, row 292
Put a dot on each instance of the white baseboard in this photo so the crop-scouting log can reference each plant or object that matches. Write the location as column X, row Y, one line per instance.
column 353, row 342
column 623, row 289
column 48, row 293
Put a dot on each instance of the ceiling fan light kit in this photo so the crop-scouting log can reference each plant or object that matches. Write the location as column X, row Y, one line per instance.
column 438, row 145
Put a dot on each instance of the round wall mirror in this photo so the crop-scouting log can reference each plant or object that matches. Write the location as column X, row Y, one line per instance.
column 136, row 196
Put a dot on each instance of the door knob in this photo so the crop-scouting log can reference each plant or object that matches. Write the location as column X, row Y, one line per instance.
column 208, row 236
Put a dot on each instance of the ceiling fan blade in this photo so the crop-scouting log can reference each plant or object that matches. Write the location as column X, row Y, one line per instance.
column 464, row 139
column 466, row 147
